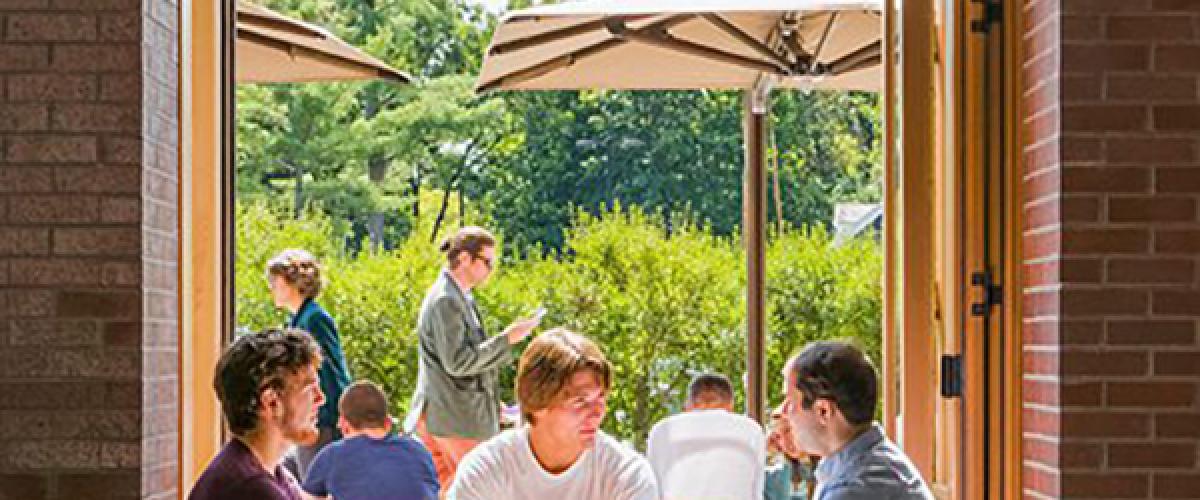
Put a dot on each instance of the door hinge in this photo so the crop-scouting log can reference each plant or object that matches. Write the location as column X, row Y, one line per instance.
column 993, row 293
column 952, row 375
column 993, row 12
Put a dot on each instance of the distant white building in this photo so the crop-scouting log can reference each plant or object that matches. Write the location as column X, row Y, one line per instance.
column 851, row 219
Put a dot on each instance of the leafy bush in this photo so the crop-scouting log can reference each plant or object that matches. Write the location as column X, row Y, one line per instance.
column 662, row 308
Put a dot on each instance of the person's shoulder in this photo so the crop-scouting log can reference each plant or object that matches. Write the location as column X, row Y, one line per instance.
column 256, row 487
column 884, row 471
column 616, row 453
column 633, row 473
column 405, row 444
column 495, row 451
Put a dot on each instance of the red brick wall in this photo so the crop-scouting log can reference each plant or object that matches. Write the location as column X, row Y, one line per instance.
column 88, row 308
column 1112, row 294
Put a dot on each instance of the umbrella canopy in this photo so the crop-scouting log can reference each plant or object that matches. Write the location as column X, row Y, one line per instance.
column 752, row 45
column 687, row 44
column 273, row 48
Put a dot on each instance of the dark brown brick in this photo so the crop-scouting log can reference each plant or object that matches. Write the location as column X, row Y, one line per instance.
column 121, row 88
column 1143, row 27
column 1185, row 180
column 1105, row 180
column 107, row 304
column 50, row 149
column 23, row 117
column 45, row 87
column 124, row 210
column 26, row 180
column 53, row 209
column 1175, row 6
column 27, row 302
column 1177, row 302
column 109, row 483
column 96, row 58
column 1176, row 240
column 1152, row 209
column 1169, row 117
column 1177, row 425
column 97, row 118
column 1151, row 271
column 22, row 241
column 121, row 27
column 1150, row 394
column 1177, row 363
column 1177, row 58
column 1081, row 424
column 122, row 151
column 1105, row 484
column 58, row 27
column 97, row 241
column 1104, row 363
column 1089, row 57
column 1152, row 455
column 1145, row 87
column 23, row 57
column 1109, row 241
column 1152, row 150
column 23, row 486
column 55, row 332
column 123, row 333
column 1185, row 485
column 108, row 180
column 1146, row 332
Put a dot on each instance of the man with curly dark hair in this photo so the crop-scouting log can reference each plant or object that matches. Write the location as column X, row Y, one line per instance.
column 269, row 392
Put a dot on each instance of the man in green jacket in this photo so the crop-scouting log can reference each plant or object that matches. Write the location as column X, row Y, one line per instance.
column 455, row 406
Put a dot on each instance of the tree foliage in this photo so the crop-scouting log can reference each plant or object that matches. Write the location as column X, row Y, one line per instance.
column 532, row 158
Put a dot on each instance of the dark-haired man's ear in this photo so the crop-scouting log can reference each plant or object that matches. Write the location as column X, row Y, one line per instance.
column 269, row 401
column 824, row 410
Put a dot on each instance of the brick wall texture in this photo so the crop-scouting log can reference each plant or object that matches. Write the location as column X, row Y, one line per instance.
column 88, row 249
column 1111, row 192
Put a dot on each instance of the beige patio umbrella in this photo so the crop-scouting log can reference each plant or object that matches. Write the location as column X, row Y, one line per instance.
column 753, row 45
column 273, row 48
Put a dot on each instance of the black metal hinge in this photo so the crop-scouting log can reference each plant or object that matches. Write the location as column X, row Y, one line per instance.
column 993, row 293
column 993, row 12
column 952, row 375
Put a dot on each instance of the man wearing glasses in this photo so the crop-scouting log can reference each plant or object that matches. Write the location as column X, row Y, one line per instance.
column 455, row 405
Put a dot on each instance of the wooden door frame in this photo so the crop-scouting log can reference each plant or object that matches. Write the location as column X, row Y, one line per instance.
column 912, row 241
column 205, row 292
column 934, row 114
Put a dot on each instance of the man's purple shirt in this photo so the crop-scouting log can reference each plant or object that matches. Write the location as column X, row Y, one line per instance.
column 235, row 474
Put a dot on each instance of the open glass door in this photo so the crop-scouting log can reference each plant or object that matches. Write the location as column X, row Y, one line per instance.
column 948, row 197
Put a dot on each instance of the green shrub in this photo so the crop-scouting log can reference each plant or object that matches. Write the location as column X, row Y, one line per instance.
column 662, row 308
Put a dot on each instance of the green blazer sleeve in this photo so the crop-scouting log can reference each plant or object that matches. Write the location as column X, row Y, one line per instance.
column 449, row 337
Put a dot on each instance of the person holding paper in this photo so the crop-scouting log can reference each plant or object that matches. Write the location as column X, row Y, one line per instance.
column 454, row 406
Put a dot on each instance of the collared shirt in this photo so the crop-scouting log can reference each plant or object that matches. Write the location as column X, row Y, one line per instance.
column 869, row 467
column 470, row 298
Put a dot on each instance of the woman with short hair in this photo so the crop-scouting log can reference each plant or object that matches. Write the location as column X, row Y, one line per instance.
column 294, row 277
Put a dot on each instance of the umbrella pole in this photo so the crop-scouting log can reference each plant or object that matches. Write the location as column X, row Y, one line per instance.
column 754, row 217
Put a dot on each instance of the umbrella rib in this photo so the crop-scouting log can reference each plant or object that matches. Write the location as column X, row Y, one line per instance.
column 866, row 56
column 568, row 59
column 556, row 35
column 824, row 36
column 731, row 29
column 548, row 65
column 668, row 41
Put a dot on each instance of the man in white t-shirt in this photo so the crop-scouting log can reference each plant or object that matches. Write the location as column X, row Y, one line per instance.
column 560, row 454
column 708, row 451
